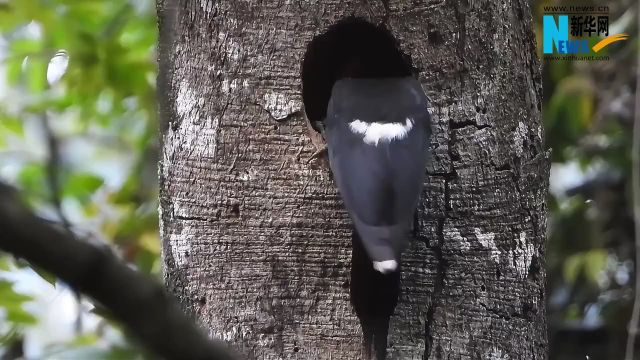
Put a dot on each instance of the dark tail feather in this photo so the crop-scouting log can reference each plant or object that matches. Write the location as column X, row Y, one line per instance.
column 374, row 297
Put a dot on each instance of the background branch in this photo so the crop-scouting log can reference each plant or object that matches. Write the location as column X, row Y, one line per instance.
column 53, row 164
column 635, row 189
column 134, row 299
column 53, row 181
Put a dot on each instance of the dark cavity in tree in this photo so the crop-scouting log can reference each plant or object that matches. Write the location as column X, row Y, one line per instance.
column 356, row 48
column 350, row 48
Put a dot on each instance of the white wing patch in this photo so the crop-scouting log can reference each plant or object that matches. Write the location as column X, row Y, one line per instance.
column 376, row 132
column 385, row 266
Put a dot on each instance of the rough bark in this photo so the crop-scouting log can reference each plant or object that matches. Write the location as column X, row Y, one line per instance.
column 256, row 243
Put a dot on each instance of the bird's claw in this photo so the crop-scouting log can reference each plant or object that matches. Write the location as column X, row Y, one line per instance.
column 319, row 153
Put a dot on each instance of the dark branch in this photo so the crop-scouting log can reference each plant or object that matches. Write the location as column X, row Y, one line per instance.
column 134, row 299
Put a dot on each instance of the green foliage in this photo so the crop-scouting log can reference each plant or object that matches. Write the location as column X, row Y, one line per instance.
column 102, row 113
column 589, row 263
column 569, row 113
column 84, row 347
column 588, row 109
column 81, row 186
column 12, row 302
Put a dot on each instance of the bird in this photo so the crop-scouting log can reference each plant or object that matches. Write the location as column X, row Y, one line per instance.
column 361, row 92
column 377, row 132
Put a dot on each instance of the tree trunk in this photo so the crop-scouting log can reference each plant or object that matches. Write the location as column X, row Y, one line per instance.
column 256, row 244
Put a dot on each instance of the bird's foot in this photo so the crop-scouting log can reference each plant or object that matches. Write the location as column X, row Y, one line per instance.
column 319, row 153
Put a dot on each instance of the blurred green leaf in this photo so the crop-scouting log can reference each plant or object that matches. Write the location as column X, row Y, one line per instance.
column 81, row 185
column 32, row 179
column 572, row 268
column 86, row 347
column 26, row 47
column 17, row 315
column 569, row 113
column 45, row 275
column 4, row 263
column 8, row 296
column 36, row 73
column 12, row 303
column 9, row 336
column 73, row 352
column 102, row 312
column 14, row 125
column 591, row 263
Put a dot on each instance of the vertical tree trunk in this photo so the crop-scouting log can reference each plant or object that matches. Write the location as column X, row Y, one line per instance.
column 256, row 244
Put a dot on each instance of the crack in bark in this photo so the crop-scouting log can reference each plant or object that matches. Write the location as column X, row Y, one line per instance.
column 192, row 218
column 513, row 314
column 465, row 123
column 516, row 176
column 441, row 262
column 438, row 284
column 460, row 8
